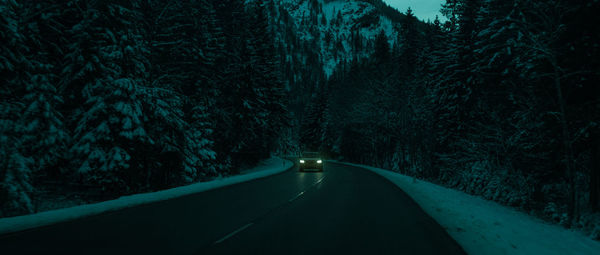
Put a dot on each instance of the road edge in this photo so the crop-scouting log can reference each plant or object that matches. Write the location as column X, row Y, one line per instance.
column 15, row 224
column 387, row 175
column 482, row 226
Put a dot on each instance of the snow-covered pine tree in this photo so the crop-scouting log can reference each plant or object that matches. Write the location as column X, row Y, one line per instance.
column 267, row 67
column 551, row 57
column 251, row 89
column 184, row 42
column 106, row 61
column 165, row 25
column 410, row 38
column 203, row 78
column 15, row 167
column 454, row 80
column 164, row 124
column 199, row 156
column 313, row 124
column 502, row 95
column 494, row 45
column 201, row 110
column 46, row 138
column 233, row 19
column 464, row 41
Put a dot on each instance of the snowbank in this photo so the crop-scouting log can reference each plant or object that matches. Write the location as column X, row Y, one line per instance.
column 484, row 227
column 13, row 224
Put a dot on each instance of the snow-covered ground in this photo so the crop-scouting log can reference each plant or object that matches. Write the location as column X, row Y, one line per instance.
column 483, row 227
column 13, row 224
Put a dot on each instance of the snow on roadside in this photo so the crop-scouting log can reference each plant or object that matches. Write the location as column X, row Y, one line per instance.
column 13, row 224
column 483, row 227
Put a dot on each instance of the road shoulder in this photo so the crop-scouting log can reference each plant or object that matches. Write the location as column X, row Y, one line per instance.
column 485, row 227
column 267, row 168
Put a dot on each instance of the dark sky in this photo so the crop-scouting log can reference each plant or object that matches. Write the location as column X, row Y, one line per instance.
column 423, row 9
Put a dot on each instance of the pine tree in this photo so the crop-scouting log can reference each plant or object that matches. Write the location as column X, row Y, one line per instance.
column 15, row 170
column 200, row 117
column 46, row 137
column 312, row 129
column 232, row 17
column 199, row 156
column 106, row 60
column 451, row 82
column 464, row 42
column 382, row 48
column 267, row 63
column 546, row 48
column 183, row 78
column 15, row 167
column 339, row 19
column 202, row 96
column 501, row 92
column 410, row 39
column 252, row 95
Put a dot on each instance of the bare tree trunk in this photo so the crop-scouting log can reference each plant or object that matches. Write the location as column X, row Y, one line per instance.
column 569, row 158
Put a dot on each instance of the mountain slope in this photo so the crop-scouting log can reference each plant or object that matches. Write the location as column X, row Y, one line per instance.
column 338, row 30
column 314, row 38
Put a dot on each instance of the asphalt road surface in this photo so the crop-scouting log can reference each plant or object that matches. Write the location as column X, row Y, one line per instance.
column 343, row 210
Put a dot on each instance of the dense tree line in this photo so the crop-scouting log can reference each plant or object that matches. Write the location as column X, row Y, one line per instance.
column 502, row 100
column 118, row 97
column 132, row 96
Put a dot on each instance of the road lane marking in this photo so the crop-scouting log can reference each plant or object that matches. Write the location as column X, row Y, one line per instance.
column 251, row 223
column 319, row 181
column 296, row 197
column 302, row 193
column 233, row 233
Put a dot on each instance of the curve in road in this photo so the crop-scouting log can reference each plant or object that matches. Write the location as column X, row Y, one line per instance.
column 343, row 210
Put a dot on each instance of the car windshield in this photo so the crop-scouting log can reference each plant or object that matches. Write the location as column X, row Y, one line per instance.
column 310, row 155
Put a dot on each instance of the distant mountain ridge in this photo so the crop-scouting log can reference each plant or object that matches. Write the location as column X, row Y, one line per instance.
column 338, row 30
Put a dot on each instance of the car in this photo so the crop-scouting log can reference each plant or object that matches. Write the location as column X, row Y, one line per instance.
column 310, row 160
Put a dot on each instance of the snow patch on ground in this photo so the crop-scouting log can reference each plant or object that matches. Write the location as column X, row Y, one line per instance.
column 484, row 227
column 266, row 168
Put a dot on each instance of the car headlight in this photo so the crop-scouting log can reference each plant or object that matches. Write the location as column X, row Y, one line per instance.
column 302, row 161
column 319, row 161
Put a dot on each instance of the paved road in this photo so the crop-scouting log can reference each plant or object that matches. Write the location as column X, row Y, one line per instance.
column 344, row 210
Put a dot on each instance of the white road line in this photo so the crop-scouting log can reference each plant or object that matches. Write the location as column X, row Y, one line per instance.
column 233, row 233
column 296, row 197
column 319, row 181
column 250, row 224
column 302, row 193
